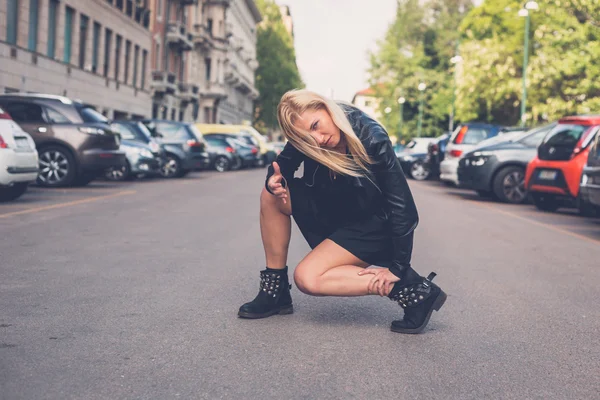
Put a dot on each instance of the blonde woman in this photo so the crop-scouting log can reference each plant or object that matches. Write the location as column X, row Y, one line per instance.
column 353, row 207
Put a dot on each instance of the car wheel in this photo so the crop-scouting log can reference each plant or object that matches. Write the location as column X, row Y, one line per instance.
column 171, row 168
column 509, row 185
column 122, row 173
column 544, row 202
column 13, row 192
column 419, row 171
column 57, row 167
column 222, row 164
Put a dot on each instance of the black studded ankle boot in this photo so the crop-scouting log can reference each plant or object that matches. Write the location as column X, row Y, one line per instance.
column 273, row 298
column 418, row 299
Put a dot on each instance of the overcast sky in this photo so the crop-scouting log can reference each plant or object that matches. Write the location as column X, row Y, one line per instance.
column 332, row 38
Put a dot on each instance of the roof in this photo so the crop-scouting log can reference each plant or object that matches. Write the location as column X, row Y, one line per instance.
column 366, row 92
column 581, row 120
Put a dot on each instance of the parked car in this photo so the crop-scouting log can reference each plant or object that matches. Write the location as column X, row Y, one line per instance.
column 435, row 155
column 184, row 146
column 505, row 135
column 223, row 154
column 278, row 147
column 145, row 156
column 412, row 159
column 590, row 179
column 18, row 159
column 74, row 141
column 464, row 139
column 248, row 135
column 554, row 175
column 249, row 154
column 399, row 149
column 498, row 170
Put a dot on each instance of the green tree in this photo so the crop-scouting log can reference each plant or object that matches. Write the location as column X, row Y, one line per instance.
column 277, row 72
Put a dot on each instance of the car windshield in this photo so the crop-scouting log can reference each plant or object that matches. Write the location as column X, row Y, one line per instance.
column 144, row 130
column 534, row 137
column 88, row 114
column 475, row 135
column 565, row 135
column 195, row 131
column 172, row 131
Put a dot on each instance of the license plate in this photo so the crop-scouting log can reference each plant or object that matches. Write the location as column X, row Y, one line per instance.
column 547, row 175
column 22, row 143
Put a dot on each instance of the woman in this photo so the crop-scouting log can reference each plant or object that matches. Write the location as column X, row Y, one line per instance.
column 354, row 208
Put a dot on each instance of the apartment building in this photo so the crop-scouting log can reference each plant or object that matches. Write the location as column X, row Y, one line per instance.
column 96, row 51
column 223, row 61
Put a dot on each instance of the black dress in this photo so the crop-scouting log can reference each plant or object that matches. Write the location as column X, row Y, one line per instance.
column 330, row 209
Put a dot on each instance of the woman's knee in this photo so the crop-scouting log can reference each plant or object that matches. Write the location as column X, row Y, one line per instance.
column 305, row 282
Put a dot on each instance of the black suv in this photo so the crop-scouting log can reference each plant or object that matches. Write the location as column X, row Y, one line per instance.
column 74, row 141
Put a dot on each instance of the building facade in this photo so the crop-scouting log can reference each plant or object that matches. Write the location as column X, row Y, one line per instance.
column 366, row 101
column 288, row 22
column 96, row 51
column 224, row 59
column 174, row 97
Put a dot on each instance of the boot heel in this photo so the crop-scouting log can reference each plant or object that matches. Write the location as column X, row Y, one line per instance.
column 287, row 310
column 439, row 302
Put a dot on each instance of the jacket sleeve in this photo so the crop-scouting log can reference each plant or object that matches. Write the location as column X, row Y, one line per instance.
column 398, row 198
column 288, row 160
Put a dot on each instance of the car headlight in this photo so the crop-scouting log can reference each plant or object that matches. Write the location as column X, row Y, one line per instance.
column 155, row 147
column 146, row 153
column 478, row 158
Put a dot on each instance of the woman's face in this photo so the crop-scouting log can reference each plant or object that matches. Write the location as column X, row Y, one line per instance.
column 321, row 127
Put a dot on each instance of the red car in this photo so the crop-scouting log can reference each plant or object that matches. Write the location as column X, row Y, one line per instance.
column 553, row 177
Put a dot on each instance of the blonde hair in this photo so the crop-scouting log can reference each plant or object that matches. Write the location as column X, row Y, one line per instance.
column 293, row 104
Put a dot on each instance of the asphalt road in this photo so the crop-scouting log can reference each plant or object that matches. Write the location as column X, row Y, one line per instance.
column 130, row 291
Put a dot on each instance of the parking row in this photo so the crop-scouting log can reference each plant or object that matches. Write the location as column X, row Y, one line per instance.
column 58, row 142
column 553, row 166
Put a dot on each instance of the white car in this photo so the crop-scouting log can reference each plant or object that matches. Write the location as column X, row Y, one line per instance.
column 464, row 139
column 18, row 159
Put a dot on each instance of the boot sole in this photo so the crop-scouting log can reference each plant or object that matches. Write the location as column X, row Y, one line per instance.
column 437, row 304
column 285, row 310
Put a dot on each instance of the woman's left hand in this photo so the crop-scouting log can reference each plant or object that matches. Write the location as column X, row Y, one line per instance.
column 382, row 282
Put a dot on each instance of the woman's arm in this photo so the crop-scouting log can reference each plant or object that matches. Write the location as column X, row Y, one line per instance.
column 390, row 178
column 288, row 160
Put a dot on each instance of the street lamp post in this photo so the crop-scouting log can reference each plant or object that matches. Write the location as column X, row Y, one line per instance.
column 422, row 87
column 524, row 12
column 401, row 101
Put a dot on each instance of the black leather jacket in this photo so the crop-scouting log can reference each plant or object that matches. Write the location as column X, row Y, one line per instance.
column 390, row 197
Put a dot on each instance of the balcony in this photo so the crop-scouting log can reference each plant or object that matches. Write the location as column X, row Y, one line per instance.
column 214, row 90
column 189, row 2
column 163, row 82
column 178, row 37
column 188, row 93
column 202, row 37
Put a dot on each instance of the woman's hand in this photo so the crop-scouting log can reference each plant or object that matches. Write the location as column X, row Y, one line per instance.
column 382, row 282
column 275, row 184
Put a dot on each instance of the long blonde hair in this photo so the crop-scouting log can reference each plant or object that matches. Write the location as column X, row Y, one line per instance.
column 293, row 104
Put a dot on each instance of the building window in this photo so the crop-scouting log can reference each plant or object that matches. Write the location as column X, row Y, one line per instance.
column 33, row 25
column 12, row 19
column 52, row 22
column 95, row 44
column 119, row 5
column 207, row 115
column 144, row 57
column 83, row 30
column 207, row 65
column 107, row 40
column 127, row 56
column 173, row 114
column 69, row 12
column 136, row 56
column 181, row 67
column 159, row 9
column 129, row 8
column 180, row 115
column 154, row 111
column 157, row 56
column 117, row 55
column 209, row 26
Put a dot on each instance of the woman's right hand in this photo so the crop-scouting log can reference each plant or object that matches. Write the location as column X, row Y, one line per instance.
column 275, row 185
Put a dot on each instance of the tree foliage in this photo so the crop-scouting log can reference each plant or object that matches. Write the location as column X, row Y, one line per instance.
column 563, row 73
column 277, row 72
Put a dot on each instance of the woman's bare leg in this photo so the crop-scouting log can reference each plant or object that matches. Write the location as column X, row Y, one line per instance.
column 331, row 270
column 275, row 228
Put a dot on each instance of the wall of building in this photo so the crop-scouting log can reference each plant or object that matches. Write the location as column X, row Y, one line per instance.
column 33, row 70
